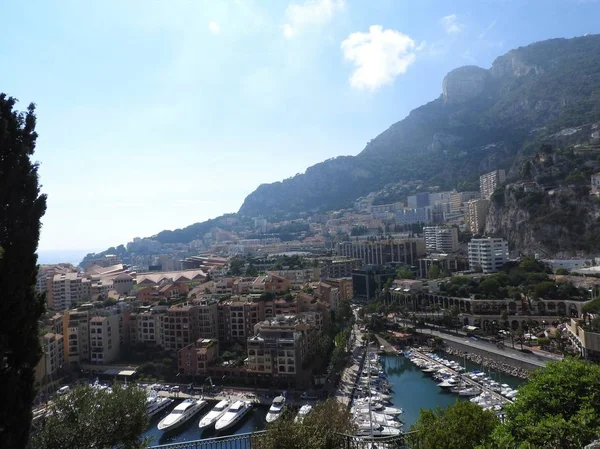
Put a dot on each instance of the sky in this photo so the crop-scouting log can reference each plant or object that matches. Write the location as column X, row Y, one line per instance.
column 155, row 114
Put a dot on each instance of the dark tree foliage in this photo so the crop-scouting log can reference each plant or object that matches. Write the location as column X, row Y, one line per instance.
column 21, row 207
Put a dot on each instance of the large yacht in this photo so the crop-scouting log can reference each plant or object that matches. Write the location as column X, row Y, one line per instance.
column 214, row 415
column 276, row 409
column 182, row 413
column 156, row 404
column 233, row 415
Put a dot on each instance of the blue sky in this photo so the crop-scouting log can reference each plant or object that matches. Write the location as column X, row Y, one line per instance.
column 157, row 114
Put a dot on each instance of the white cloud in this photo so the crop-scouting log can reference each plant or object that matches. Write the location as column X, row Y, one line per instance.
column 379, row 56
column 451, row 24
column 214, row 27
column 309, row 13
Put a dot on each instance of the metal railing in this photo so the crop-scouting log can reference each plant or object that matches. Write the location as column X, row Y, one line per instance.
column 241, row 441
column 253, row 441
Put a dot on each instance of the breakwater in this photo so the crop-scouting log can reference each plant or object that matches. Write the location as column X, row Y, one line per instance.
column 487, row 362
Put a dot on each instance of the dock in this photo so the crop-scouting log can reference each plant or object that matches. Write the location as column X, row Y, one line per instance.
column 497, row 396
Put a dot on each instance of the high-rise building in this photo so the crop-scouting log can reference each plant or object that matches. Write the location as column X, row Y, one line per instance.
column 67, row 290
column 441, row 239
column 475, row 215
column 458, row 200
column 383, row 252
column 489, row 182
column 488, row 253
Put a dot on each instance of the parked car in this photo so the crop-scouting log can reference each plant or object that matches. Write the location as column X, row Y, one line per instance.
column 174, row 389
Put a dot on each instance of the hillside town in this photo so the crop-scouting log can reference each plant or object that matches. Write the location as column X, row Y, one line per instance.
column 252, row 311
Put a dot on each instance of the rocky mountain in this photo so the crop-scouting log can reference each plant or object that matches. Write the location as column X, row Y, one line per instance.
column 547, row 208
column 484, row 119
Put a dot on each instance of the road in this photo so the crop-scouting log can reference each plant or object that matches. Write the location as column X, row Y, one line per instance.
column 514, row 354
column 350, row 374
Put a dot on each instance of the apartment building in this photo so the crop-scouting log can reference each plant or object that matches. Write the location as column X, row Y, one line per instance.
column 414, row 215
column 76, row 341
column 458, row 200
column 441, row 239
column 488, row 253
column 476, row 214
column 329, row 294
column 340, row 268
column 489, row 182
column 280, row 347
column 383, row 252
column 344, row 286
column 195, row 358
column 67, row 290
column 180, row 326
column 237, row 318
column 105, row 338
column 208, row 318
column 298, row 277
column 53, row 358
column 146, row 325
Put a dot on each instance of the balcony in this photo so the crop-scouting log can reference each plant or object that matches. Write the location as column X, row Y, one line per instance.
column 253, row 441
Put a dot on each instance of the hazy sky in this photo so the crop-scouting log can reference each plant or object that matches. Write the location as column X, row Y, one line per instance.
column 157, row 114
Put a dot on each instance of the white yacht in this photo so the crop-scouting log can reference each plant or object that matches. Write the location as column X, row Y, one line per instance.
column 182, row 413
column 448, row 383
column 276, row 408
column 214, row 415
column 234, row 413
column 367, row 430
column 156, row 404
column 304, row 410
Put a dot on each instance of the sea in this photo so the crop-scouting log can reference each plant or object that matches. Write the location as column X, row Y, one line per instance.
column 412, row 391
column 72, row 256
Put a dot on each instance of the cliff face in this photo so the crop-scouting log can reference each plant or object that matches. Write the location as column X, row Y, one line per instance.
column 550, row 211
column 481, row 121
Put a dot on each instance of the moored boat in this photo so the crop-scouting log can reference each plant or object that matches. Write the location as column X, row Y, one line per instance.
column 214, row 415
column 233, row 415
column 181, row 414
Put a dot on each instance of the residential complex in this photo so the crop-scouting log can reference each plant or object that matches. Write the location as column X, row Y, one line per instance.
column 490, row 254
column 476, row 214
column 383, row 252
column 280, row 347
column 441, row 239
column 488, row 182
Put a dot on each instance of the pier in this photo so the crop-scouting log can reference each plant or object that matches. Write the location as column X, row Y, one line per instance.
column 497, row 396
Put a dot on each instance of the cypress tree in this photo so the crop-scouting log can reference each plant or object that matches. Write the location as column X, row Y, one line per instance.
column 21, row 207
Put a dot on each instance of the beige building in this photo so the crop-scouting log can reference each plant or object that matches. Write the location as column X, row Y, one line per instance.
column 76, row 332
column 237, row 318
column 476, row 214
column 489, row 182
column 67, row 290
column 458, row 200
column 52, row 360
column 146, row 325
column 344, row 286
column 587, row 342
column 105, row 338
column 281, row 346
column 208, row 318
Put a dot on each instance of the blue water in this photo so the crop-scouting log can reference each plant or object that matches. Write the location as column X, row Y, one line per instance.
column 413, row 390
column 52, row 256
column 253, row 421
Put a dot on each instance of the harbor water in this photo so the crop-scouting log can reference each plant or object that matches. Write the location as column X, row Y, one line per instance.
column 414, row 390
